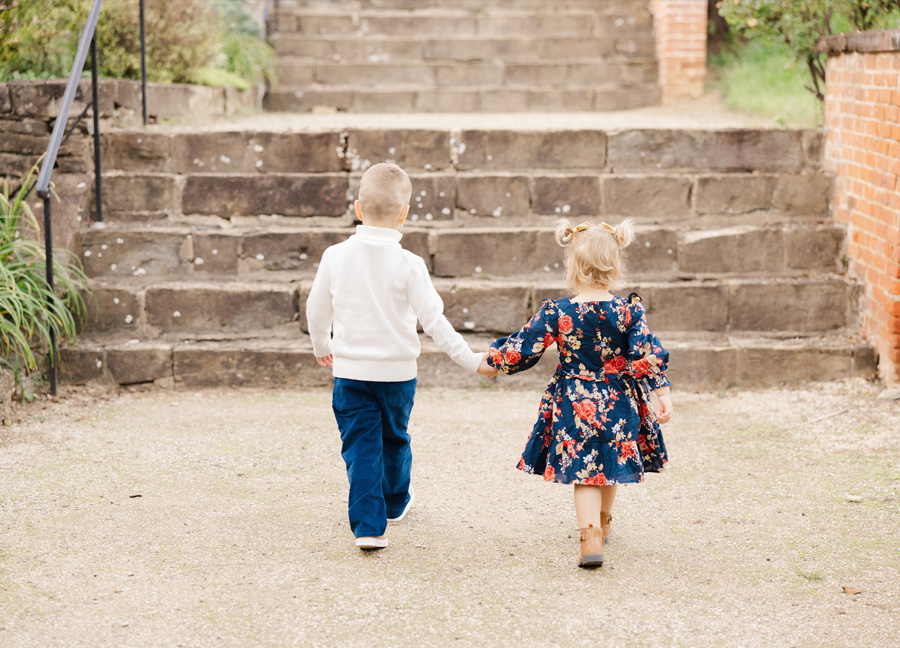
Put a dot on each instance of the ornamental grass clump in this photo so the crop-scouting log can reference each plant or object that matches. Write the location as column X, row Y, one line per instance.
column 29, row 309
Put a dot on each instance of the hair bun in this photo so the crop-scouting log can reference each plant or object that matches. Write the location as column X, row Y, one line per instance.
column 624, row 232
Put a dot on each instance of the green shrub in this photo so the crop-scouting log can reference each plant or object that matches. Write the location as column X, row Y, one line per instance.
column 800, row 25
column 29, row 310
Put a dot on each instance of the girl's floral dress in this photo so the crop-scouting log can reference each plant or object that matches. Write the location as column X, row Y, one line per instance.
column 595, row 425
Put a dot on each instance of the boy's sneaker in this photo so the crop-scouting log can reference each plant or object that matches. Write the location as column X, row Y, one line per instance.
column 412, row 498
column 368, row 543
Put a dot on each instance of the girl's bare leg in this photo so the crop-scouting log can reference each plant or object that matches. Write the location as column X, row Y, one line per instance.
column 608, row 497
column 588, row 504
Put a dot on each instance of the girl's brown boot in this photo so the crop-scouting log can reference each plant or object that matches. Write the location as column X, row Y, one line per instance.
column 591, row 548
column 605, row 520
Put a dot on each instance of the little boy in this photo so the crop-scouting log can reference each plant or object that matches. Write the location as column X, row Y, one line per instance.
column 369, row 292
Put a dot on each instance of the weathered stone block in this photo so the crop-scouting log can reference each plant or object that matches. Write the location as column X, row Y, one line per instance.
column 573, row 48
column 308, row 100
column 421, row 25
column 798, row 306
column 260, row 364
column 5, row 102
column 533, row 24
column 803, row 195
column 536, row 73
column 295, row 73
column 701, row 366
column 482, row 49
column 383, row 101
column 216, row 253
column 560, row 100
column 688, row 307
column 463, row 253
column 139, row 363
column 447, row 101
column 81, row 365
column 567, row 196
column 296, row 152
column 790, row 364
column 111, row 253
column 654, row 252
column 126, row 194
column 363, row 75
column 136, row 152
column 726, row 150
column 503, row 100
column 290, row 250
column 497, row 196
column 227, row 152
column 433, row 198
column 22, row 143
column 731, row 250
column 734, row 194
column 492, row 308
column 814, row 248
column 226, row 307
column 410, row 149
column 469, row 74
column 287, row 195
column 112, row 309
column 511, row 150
column 650, row 197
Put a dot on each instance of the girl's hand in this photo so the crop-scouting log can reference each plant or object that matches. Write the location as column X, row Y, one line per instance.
column 663, row 408
column 485, row 369
column 327, row 361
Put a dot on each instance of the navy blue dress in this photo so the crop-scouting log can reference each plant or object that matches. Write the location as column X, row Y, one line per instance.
column 596, row 425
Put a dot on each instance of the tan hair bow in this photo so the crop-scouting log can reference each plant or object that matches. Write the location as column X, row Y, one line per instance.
column 572, row 231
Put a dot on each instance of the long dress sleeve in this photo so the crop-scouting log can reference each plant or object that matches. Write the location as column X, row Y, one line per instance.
column 523, row 349
column 649, row 359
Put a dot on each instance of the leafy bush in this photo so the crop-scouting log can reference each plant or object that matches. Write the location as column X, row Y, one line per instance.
column 800, row 25
column 38, row 39
column 29, row 310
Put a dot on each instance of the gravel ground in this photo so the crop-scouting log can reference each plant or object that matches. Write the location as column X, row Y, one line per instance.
column 218, row 518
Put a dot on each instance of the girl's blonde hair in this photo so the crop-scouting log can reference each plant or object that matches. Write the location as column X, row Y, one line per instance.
column 594, row 253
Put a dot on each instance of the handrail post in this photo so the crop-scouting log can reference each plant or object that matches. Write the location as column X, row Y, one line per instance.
column 98, row 179
column 48, row 265
column 144, row 66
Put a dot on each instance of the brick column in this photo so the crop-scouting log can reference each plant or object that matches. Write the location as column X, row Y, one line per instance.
column 862, row 149
column 680, row 47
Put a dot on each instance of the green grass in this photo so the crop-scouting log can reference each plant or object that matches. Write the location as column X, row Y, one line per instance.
column 764, row 79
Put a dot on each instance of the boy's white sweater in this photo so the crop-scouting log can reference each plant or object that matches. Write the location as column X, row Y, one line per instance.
column 372, row 290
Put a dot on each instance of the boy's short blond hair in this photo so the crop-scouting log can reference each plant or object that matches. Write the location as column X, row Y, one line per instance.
column 594, row 253
column 384, row 191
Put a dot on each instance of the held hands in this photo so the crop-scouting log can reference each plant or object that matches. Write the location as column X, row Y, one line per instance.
column 327, row 361
column 485, row 369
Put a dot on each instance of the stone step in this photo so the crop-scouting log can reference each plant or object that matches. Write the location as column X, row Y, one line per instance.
column 297, row 73
column 473, row 198
column 561, row 23
column 696, row 362
column 650, row 151
column 665, row 253
column 796, row 306
column 620, row 46
column 597, row 6
column 499, row 99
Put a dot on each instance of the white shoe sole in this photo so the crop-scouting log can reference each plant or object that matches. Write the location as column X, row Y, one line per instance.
column 412, row 498
column 368, row 542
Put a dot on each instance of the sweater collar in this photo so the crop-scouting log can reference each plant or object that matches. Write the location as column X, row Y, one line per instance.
column 378, row 233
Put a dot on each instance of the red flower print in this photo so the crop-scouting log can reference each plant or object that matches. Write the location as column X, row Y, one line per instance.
column 548, row 340
column 512, row 356
column 521, row 465
column 495, row 356
column 549, row 473
column 596, row 480
column 585, row 409
column 617, row 365
column 626, row 450
column 565, row 324
column 641, row 368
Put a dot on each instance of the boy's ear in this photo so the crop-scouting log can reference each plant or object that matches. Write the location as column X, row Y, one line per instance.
column 358, row 210
column 403, row 214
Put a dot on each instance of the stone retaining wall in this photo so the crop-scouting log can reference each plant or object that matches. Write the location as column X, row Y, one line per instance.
column 28, row 110
column 862, row 124
column 680, row 27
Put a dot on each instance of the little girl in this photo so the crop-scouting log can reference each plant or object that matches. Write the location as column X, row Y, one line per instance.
column 595, row 428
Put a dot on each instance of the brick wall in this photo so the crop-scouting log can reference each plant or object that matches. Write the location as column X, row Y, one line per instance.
column 862, row 124
column 680, row 47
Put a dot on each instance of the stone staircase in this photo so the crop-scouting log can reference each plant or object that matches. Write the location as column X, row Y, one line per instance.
column 381, row 56
column 212, row 239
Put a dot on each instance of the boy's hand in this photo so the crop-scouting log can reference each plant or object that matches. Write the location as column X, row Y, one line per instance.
column 327, row 361
column 485, row 369
column 663, row 408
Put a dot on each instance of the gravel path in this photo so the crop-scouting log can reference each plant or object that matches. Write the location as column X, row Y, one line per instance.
column 218, row 519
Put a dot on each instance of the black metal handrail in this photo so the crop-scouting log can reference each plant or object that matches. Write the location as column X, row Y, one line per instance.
column 272, row 13
column 86, row 40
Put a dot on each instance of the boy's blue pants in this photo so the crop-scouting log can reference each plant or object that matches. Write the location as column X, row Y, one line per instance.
column 372, row 417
